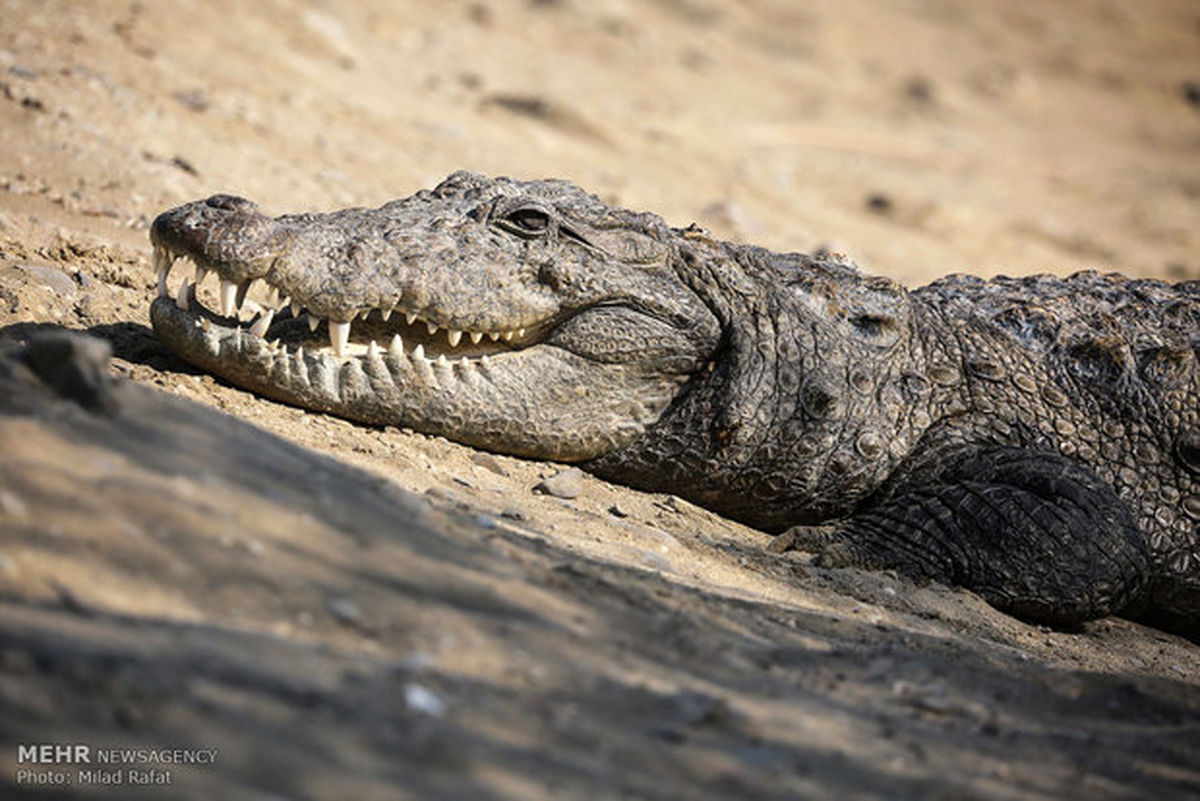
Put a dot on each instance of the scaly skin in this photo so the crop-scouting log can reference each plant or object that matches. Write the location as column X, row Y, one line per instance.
column 1036, row 440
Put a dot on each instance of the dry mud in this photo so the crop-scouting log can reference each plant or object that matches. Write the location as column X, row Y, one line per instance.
column 350, row 612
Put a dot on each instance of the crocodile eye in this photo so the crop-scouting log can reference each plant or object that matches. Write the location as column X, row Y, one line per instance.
column 527, row 221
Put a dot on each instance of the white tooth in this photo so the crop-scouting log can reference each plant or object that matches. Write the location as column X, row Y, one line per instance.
column 493, row 335
column 283, row 303
column 485, row 361
column 476, row 336
column 409, row 317
column 465, row 362
column 296, row 309
column 441, row 360
column 300, row 353
column 364, row 314
column 313, row 322
column 397, row 347
column 339, row 335
column 431, row 327
column 242, row 289
column 508, row 335
column 228, row 292
column 419, row 352
column 181, row 300
column 454, row 337
column 260, row 326
column 372, row 350
column 274, row 346
column 162, row 266
column 201, row 274
column 272, row 296
column 384, row 314
column 520, row 333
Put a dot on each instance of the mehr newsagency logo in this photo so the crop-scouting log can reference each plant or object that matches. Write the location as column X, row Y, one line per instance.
column 66, row 764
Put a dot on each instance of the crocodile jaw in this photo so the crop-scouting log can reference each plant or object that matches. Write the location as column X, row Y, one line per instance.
column 535, row 400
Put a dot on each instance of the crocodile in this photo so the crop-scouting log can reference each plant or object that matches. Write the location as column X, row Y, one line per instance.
column 1035, row 440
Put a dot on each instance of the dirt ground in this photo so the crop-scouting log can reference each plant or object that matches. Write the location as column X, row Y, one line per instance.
column 408, row 619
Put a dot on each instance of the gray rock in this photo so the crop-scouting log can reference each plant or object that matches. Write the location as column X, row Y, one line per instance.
column 563, row 484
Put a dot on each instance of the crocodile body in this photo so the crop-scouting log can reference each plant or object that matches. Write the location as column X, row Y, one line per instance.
column 1036, row 440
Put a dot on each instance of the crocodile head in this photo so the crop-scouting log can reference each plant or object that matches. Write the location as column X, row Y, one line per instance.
column 522, row 317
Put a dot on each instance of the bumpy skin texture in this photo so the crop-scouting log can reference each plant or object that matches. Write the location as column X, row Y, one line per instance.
column 1036, row 440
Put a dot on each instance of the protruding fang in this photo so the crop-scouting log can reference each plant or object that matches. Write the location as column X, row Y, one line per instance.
column 313, row 322
column 242, row 289
column 465, row 362
column 384, row 314
column 339, row 335
column 454, row 337
column 296, row 309
column 282, row 304
column 181, row 300
column 274, row 346
column 431, row 327
column 493, row 335
column 508, row 335
column 260, row 326
column 441, row 360
column 476, row 336
column 372, row 350
column 227, row 293
column 397, row 347
column 364, row 314
column 485, row 360
column 419, row 352
column 300, row 353
column 410, row 317
column 162, row 266
column 201, row 274
column 520, row 333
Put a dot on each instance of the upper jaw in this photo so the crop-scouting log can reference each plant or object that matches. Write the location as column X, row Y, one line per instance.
column 230, row 237
column 405, row 325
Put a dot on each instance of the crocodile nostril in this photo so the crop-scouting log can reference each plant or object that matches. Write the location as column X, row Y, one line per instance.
column 230, row 203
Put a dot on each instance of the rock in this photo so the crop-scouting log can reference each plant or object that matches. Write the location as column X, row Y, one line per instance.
column 55, row 280
column 75, row 366
column 11, row 505
column 489, row 462
column 421, row 699
column 345, row 610
column 563, row 484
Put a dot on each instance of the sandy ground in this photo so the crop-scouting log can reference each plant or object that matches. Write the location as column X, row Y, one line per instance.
column 497, row 643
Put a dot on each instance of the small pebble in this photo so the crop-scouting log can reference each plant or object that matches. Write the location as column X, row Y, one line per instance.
column 489, row 462
column 879, row 203
column 345, row 610
column 420, row 699
column 11, row 505
column 563, row 484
